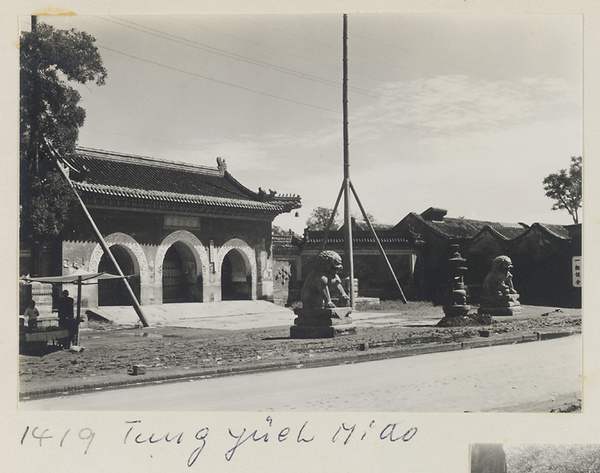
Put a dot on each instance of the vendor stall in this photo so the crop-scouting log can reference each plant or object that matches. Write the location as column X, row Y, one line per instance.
column 61, row 335
column 34, row 342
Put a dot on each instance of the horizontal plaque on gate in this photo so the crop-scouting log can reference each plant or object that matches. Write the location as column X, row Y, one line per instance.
column 182, row 221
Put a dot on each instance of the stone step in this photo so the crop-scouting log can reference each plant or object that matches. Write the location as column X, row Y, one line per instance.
column 227, row 314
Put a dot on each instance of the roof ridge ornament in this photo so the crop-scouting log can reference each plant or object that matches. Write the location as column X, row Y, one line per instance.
column 263, row 196
column 222, row 165
column 434, row 214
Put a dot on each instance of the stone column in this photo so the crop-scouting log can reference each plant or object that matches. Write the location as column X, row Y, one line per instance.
column 42, row 295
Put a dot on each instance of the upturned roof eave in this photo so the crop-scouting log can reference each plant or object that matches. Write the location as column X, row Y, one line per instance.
column 428, row 225
column 281, row 206
column 541, row 228
column 492, row 231
column 467, row 233
column 248, row 199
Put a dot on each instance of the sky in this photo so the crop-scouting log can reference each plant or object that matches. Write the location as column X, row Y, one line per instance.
column 466, row 112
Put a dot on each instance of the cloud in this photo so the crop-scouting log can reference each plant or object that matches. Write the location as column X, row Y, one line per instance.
column 459, row 105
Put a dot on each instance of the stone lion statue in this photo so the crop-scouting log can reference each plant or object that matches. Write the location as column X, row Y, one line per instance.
column 315, row 291
column 498, row 282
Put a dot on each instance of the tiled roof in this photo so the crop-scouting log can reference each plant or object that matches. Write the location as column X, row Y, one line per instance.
column 557, row 231
column 387, row 237
column 286, row 240
column 462, row 228
column 287, row 244
column 140, row 178
column 487, row 230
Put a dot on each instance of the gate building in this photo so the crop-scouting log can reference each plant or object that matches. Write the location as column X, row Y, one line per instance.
column 181, row 232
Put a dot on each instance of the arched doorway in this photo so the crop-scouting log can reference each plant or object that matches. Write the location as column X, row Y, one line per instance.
column 113, row 291
column 181, row 280
column 236, row 277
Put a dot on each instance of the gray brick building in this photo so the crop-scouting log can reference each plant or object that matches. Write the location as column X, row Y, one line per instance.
column 182, row 232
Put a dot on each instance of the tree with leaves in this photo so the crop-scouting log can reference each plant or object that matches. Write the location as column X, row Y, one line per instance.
column 50, row 113
column 565, row 188
column 319, row 218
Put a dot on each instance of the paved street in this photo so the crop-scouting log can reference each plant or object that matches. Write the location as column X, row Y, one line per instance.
column 528, row 377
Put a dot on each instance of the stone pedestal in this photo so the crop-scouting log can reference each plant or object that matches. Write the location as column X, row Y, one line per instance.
column 322, row 323
column 41, row 293
column 500, row 305
column 456, row 310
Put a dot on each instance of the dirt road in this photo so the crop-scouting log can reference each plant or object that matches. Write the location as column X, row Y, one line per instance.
column 172, row 352
column 529, row 377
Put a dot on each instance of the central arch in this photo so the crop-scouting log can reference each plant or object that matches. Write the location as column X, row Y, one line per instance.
column 181, row 268
column 180, row 280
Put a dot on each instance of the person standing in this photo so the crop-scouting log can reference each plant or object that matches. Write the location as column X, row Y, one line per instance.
column 66, row 318
column 31, row 314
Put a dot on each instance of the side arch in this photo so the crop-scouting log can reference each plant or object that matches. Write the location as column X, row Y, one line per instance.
column 248, row 255
column 133, row 248
column 113, row 293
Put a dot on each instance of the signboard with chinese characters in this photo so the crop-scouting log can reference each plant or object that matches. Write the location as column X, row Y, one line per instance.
column 182, row 221
column 577, row 271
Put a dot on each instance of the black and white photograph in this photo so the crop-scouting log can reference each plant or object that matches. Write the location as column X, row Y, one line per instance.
column 150, row 151
column 533, row 458
column 253, row 235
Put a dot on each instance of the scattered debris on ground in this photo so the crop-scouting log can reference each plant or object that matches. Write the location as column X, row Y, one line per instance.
column 110, row 352
column 568, row 408
column 466, row 320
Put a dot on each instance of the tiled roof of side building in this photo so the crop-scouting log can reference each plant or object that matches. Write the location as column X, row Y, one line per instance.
column 314, row 238
column 467, row 228
column 464, row 228
column 459, row 228
column 504, row 233
column 286, row 239
column 137, row 177
column 560, row 231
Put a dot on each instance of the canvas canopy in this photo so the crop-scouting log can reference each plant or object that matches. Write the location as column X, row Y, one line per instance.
column 77, row 277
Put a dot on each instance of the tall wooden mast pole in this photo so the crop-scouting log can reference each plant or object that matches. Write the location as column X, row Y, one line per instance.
column 346, row 188
column 347, row 213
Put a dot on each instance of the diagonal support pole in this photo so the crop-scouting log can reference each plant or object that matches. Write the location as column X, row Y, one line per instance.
column 328, row 228
column 331, row 219
column 103, row 244
column 381, row 250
